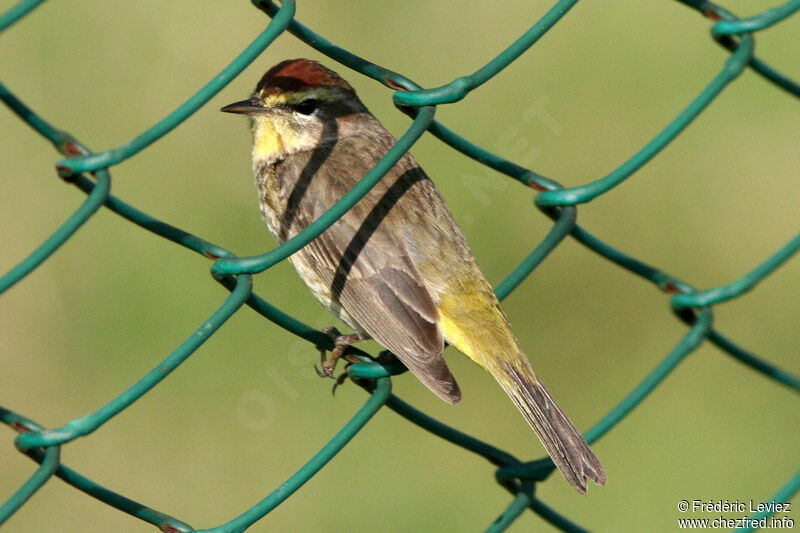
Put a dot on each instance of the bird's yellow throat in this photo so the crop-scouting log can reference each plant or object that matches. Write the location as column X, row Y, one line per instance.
column 275, row 136
column 278, row 134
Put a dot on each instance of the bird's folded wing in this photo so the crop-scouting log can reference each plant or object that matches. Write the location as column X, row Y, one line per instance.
column 363, row 256
column 385, row 295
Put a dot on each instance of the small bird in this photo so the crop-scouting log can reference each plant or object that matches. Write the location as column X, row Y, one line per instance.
column 396, row 268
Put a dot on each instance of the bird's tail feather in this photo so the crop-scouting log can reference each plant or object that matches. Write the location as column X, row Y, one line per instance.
column 473, row 322
column 565, row 444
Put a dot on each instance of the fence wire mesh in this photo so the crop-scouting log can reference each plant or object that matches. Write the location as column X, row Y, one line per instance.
column 90, row 171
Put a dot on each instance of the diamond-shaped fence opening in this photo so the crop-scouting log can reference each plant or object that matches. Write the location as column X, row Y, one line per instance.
column 91, row 172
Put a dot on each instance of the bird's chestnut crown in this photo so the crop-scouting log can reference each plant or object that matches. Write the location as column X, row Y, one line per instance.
column 295, row 75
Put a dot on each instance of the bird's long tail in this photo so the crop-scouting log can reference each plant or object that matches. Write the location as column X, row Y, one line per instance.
column 565, row 444
column 473, row 322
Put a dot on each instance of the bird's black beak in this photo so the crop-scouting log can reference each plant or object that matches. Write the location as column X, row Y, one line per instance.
column 245, row 107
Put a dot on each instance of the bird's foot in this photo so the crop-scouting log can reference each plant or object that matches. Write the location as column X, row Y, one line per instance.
column 341, row 343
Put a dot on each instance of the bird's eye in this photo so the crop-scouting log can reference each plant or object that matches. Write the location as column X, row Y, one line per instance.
column 306, row 107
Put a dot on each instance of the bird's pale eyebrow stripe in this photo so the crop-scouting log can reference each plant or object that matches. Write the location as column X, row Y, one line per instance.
column 295, row 97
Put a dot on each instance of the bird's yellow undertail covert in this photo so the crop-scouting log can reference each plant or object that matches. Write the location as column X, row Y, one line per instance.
column 396, row 268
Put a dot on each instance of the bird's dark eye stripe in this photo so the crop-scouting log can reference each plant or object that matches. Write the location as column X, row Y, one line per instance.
column 307, row 106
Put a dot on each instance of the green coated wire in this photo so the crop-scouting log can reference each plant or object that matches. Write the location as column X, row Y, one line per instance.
column 756, row 22
column 540, row 469
column 690, row 342
column 565, row 222
column 154, row 225
column 556, row 519
column 36, row 481
column 460, row 87
column 339, row 441
column 556, row 202
column 585, row 193
column 88, row 208
column 522, row 500
column 784, row 494
column 717, row 13
column 742, row 355
column 85, row 425
column 741, row 285
column 213, row 251
column 105, row 159
column 64, row 143
column 468, row 442
column 17, row 12
column 56, row 137
column 770, row 74
column 88, row 486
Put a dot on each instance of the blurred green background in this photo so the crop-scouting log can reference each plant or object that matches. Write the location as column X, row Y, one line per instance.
column 246, row 410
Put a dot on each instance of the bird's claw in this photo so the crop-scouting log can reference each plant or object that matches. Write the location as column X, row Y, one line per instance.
column 340, row 380
column 341, row 343
column 328, row 366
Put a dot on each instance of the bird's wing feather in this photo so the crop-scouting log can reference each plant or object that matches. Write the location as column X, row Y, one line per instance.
column 364, row 260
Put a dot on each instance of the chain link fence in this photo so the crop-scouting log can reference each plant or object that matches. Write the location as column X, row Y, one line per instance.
column 90, row 171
